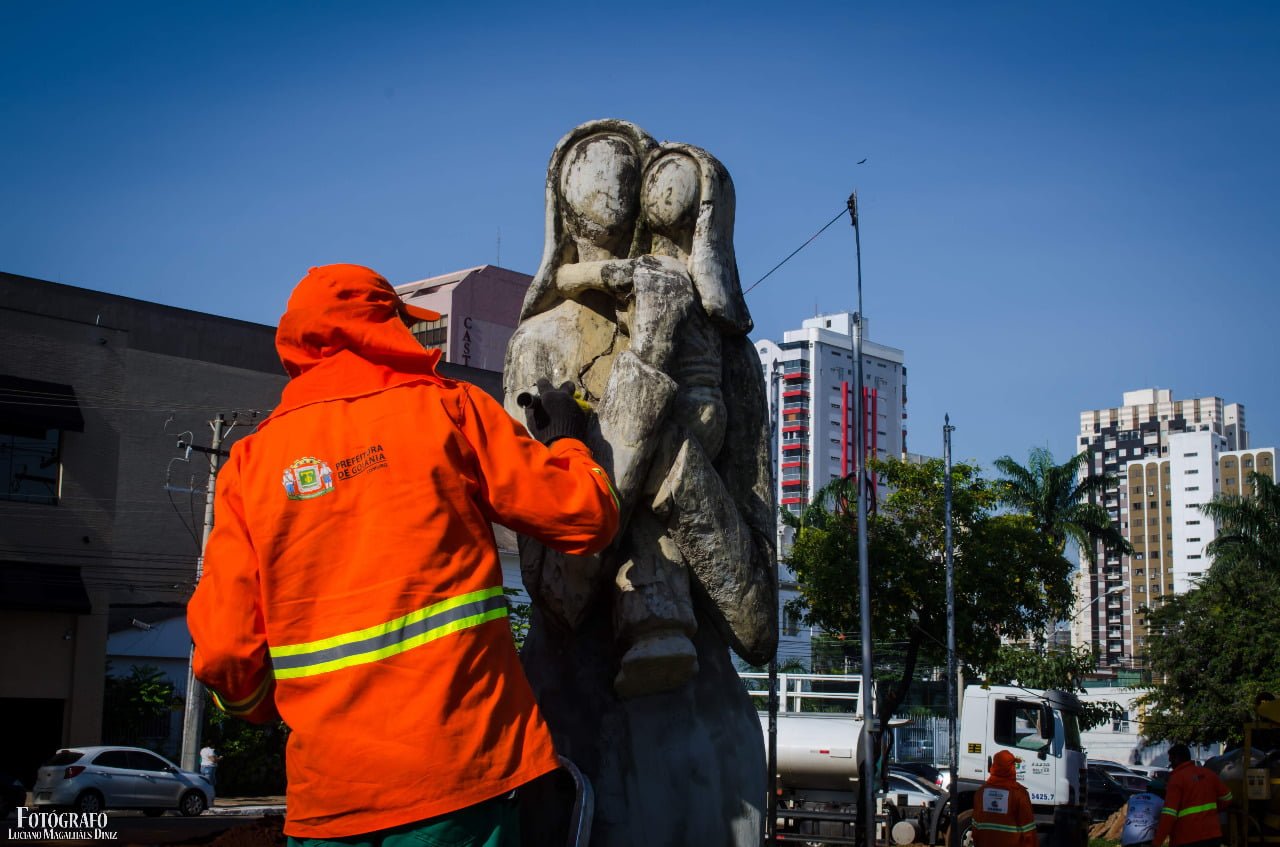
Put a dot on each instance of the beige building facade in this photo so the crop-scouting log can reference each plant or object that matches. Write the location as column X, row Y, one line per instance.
column 1167, row 459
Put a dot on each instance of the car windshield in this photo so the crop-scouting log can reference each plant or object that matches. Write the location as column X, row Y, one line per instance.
column 63, row 757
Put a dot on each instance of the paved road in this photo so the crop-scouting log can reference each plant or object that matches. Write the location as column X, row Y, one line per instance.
column 135, row 828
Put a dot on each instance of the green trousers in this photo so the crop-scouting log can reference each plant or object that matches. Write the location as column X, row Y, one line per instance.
column 493, row 823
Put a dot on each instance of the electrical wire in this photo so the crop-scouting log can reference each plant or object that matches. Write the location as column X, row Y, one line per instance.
column 839, row 214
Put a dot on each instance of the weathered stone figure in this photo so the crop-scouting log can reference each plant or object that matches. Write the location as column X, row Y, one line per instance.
column 638, row 302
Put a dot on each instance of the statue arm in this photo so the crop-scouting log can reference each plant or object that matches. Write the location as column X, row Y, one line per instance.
column 612, row 276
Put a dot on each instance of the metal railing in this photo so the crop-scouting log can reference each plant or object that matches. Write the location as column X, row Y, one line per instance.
column 806, row 692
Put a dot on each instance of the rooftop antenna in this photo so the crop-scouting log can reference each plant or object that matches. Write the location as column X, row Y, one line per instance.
column 497, row 258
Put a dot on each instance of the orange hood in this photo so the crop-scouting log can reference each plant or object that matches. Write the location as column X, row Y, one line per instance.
column 343, row 334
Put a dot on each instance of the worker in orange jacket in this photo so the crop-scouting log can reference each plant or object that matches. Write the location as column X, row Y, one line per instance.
column 1002, row 815
column 352, row 585
column 1192, row 798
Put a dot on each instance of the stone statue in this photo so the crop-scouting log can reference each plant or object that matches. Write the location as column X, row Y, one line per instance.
column 637, row 301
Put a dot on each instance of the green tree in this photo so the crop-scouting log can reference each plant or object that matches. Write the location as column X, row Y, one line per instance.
column 1213, row 650
column 252, row 754
column 136, row 708
column 1060, row 501
column 519, row 615
column 1248, row 526
column 1009, row 581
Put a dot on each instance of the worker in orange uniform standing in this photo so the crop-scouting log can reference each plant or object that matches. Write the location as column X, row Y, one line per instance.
column 1002, row 815
column 1192, row 798
column 352, row 585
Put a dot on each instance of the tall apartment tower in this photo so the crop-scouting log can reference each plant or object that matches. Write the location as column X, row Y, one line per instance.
column 1167, row 458
column 811, row 384
column 811, row 375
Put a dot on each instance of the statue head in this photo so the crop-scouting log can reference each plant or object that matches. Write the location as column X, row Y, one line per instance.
column 592, row 191
column 599, row 183
column 687, row 197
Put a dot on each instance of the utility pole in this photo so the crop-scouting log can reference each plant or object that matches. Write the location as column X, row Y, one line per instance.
column 952, row 709
column 193, row 714
column 771, row 799
column 864, row 571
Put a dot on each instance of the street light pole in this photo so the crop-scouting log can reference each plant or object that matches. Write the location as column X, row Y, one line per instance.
column 771, row 800
column 864, row 571
column 952, row 705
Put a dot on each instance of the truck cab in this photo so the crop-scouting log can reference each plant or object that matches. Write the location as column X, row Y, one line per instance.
column 1042, row 731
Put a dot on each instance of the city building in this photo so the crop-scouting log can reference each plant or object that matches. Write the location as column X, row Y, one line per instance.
column 811, row 383
column 479, row 309
column 1167, row 458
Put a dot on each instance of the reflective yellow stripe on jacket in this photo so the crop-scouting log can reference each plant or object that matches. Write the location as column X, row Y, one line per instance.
column 237, row 708
column 391, row 638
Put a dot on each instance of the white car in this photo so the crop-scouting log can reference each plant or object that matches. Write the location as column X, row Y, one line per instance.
column 917, row 793
column 91, row 779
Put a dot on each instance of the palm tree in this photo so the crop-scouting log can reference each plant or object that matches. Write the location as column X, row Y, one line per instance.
column 1249, row 526
column 1057, row 497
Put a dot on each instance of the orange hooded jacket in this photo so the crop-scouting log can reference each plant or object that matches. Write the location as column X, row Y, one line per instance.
column 1192, row 798
column 352, row 584
column 1002, row 813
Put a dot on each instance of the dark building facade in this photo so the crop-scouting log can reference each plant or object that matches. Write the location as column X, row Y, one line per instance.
column 100, row 511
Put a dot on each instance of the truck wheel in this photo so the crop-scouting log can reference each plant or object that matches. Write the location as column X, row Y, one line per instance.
column 964, row 821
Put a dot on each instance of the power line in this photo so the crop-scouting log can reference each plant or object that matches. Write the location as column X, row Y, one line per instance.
column 839, row 215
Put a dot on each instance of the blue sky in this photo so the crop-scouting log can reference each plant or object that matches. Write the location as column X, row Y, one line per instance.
column 1060, row 202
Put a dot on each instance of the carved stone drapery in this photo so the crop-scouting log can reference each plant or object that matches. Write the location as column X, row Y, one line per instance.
column 637, row 301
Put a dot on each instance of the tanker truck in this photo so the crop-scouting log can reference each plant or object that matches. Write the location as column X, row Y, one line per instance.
column 820, row 742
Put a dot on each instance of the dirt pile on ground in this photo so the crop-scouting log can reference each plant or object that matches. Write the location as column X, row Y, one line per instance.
column 1112, row 827
column 268, row 832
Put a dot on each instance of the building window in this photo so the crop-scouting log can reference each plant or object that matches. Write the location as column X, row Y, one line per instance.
column 790, row 623
column 33, row 416
column 1193, row 523
column 29, row 466
column 1191, row 470
column 433, row 335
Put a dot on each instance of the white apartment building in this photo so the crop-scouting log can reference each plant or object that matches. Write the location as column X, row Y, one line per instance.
column 811, row 384
column 1169, row 457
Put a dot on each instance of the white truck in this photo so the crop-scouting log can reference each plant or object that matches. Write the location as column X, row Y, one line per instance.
column 819, row 757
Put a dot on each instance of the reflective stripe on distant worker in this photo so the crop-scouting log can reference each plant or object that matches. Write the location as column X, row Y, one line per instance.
column 1192, row 810
column 1004, row 827
column 391, row 638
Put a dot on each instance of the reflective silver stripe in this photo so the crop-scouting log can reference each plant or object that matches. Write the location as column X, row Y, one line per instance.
column 297, row 664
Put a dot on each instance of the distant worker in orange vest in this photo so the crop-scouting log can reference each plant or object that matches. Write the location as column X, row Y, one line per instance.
column 352, row 586
column 1002, row 815
column 1192, row 798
